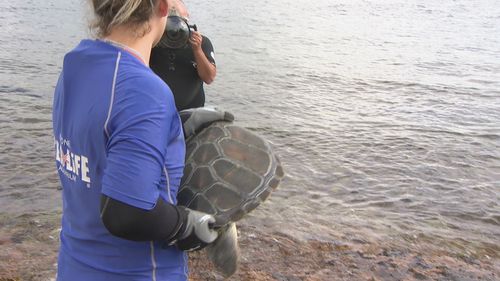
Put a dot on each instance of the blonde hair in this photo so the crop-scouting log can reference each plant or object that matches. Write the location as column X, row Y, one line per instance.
column 111, row 13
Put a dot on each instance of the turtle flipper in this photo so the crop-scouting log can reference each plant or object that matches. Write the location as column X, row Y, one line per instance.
column 225, row 252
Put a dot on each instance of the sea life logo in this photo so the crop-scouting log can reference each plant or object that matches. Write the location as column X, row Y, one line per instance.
column 73, row 166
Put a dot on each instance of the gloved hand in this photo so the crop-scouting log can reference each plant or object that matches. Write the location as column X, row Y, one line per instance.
column 198, row 231
column 196, row 119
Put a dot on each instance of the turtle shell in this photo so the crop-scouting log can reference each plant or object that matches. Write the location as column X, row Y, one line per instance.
column 229, row 172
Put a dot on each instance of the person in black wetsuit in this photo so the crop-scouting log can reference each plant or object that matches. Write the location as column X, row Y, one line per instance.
column 185, row 69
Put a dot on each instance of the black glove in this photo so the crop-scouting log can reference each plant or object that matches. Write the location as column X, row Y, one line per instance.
column 197, row 232
column 196, row 119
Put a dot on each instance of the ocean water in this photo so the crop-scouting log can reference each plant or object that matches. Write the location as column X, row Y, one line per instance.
column 385, row 113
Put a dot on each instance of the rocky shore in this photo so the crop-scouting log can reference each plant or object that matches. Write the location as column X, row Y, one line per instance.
column 29, row 244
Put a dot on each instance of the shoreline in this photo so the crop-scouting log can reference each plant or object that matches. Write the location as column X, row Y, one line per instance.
column 29, row 246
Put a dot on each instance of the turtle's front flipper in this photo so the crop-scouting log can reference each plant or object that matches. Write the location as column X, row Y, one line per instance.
column 225, row 252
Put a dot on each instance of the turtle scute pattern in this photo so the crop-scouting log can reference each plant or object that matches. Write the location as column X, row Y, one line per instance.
column 229, row 172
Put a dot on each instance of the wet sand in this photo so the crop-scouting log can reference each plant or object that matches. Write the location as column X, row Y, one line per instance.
column 29, row 245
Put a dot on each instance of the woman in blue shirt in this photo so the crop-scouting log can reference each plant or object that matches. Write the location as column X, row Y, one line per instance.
column 120, row 154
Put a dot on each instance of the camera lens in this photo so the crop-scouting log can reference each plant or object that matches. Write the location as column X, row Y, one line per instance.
column 177, row 32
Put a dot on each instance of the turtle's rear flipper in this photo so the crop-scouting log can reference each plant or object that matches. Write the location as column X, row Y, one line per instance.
column 225, row 252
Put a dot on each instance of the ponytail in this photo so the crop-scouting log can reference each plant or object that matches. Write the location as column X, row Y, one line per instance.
column 111, row 13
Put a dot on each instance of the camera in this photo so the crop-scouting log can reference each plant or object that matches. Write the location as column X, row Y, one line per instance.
column 177, row 32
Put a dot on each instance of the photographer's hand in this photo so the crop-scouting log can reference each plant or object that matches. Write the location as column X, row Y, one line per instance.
column 195, row 41
column 206, row 69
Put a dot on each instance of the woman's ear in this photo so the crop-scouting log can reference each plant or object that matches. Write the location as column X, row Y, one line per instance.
column 163, row 8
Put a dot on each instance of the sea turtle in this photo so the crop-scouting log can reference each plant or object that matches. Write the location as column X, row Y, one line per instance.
column 229, row 171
